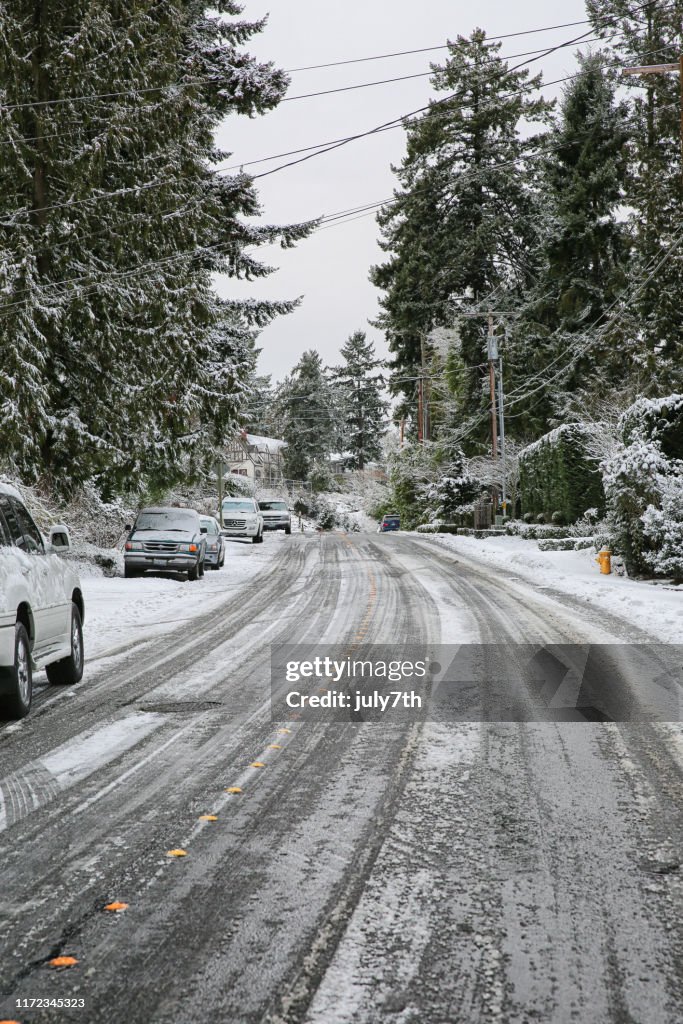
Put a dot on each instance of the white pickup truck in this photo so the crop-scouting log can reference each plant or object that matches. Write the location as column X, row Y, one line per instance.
column 41, row 607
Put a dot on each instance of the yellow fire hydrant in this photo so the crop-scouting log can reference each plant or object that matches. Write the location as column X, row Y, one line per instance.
column 604, row 560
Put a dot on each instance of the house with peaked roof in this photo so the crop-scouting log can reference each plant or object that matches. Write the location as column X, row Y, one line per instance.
column 258, row 458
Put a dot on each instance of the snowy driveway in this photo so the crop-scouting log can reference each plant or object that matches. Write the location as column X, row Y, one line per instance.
column 427, row 873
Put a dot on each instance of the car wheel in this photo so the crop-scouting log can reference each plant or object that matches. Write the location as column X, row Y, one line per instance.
column 288, row 530
column 222, row 561
column 193, row 573
column 200, row 568
column 16, row 683
column 130, row 573
column 69, row 670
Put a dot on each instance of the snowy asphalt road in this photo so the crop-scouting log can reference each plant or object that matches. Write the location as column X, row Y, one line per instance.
column 431, row 873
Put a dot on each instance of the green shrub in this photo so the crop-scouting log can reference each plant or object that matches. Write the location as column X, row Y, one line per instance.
column 556, row 475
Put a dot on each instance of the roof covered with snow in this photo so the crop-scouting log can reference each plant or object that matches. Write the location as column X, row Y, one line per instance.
column 265, row 444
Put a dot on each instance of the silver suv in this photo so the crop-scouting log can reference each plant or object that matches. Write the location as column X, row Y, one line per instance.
column 276, row 515
column 169, row 539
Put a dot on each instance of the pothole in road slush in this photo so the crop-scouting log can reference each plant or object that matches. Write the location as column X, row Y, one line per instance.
column 173, row 707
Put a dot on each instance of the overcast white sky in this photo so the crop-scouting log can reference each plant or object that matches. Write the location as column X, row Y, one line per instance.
column 330, row 269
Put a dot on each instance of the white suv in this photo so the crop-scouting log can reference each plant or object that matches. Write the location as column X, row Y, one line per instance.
column 242, row 518
column 276, row 514
column 41, row 608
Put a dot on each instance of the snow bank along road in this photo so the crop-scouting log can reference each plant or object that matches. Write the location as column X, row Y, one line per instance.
column 424, row 873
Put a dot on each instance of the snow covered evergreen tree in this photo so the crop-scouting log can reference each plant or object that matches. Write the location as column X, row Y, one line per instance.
column 113, row 222
column 256, row 415
column 359, row 393
column 581, row 257
column 306, row 407
column 463, row 219
column 652, row 33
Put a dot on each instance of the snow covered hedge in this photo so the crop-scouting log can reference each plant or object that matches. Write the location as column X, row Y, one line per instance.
column 556, row 475
column 656, row 419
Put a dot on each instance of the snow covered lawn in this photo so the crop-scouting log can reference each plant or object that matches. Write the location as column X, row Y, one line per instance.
column 120, row 611
column 655, row 608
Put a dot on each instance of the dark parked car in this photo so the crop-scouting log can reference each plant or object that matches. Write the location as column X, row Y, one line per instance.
column 215, row 542
column 389, row 522
column 168, row 539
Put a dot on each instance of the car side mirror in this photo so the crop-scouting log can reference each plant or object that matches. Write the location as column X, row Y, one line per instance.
column 203, row 529
column 59, row 538
column 128, row 527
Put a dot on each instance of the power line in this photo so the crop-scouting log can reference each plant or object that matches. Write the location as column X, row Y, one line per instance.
column 522, row 393
column 333, row 219
column 428, row 49
column 407, row 119
column 391, row 124
column 366, row 210
column 189, row 83
column 600, row 331
column 364, row 85
column 396, row 122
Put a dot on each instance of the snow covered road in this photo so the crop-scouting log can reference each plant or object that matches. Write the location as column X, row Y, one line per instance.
column 417, row 872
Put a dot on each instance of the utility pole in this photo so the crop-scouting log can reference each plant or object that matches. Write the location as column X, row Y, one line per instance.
column 497, row 415
column 503, row 468
column 492, row 343
column 492, row 357
column 424, row 427
column 662, row 69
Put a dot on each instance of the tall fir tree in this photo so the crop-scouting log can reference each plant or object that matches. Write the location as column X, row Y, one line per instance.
column 359, row 394
column 114, row 221
column 582, row 256
column 306, row 408
column 652, row 33
column 463, row 218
